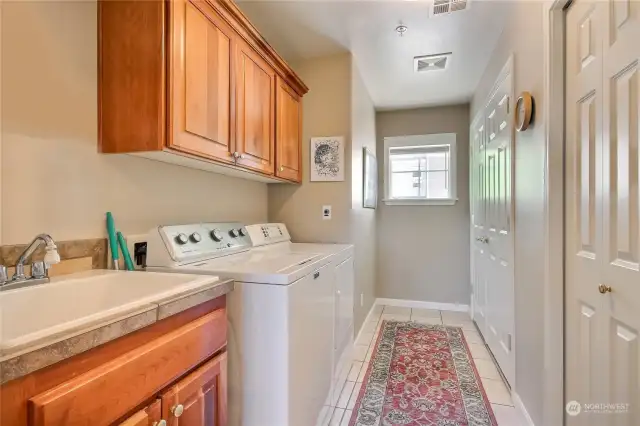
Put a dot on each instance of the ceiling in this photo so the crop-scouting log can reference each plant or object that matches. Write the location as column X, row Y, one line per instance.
column 301, row 29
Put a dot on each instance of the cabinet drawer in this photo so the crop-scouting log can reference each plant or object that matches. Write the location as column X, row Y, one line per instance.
column 106, row 393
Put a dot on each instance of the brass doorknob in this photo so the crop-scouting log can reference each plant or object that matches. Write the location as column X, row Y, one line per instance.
column 604, row 288
column 177, row 410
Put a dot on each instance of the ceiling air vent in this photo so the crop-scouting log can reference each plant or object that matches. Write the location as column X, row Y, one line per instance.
column 431, row 62
column 445, row 7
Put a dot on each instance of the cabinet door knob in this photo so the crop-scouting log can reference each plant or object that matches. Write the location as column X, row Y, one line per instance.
column 162, row 422
column 236, row 154
column 602, row 288
column 177, row 410
column 281, row 169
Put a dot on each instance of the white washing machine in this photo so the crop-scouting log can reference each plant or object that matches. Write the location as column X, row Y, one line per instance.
column 275, row 238
column 280, row 319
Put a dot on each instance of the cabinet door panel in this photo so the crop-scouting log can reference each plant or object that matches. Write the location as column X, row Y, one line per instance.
column 288, row 133
column 255, row 111
column 147, row 417
column 200, row 398
column 202, row 81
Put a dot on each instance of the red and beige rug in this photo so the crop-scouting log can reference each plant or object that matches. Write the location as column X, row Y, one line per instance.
column 421, row 375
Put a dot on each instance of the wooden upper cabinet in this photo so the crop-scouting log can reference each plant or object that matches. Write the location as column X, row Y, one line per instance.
column 200, row 399
column 202, row 81
column 150, row 416
column 193, row 82
column 255, row 102
column 288, row 132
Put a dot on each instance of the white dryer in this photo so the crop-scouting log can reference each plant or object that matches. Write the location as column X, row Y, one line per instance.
column 275, row 238
column 280, row 319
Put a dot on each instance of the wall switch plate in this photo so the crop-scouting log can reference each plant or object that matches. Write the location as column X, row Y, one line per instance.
column 326, row 212
column 133, row 243
column 361, row 299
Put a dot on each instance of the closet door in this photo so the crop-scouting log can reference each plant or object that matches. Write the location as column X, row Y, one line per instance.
column 478, row 229
column 603, row 209
column 492, row 224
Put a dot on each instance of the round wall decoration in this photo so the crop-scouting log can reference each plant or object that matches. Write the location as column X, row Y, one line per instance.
column 525, row 110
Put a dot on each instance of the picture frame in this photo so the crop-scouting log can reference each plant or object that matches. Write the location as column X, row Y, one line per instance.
column 370, row 179
column 327, row 159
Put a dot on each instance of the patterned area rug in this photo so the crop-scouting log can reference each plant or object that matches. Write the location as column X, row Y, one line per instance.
column 421, row 375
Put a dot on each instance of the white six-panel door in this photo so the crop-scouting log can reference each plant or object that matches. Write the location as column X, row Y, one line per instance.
column 478, row 230
column 492, row 224
column 603, row 212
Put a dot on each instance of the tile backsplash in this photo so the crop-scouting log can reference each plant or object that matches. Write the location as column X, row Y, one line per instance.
column 75, row 255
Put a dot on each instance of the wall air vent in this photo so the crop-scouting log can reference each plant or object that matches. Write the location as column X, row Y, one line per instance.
column 431, row 62
column 445, row 7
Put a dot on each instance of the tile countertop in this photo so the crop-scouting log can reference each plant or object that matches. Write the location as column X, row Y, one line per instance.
column 45, row 324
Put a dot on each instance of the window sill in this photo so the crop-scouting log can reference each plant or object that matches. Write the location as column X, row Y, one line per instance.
column 433, row 202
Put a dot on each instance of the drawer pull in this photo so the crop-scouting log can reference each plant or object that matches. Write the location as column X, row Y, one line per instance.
column 316, row 275
column 162, row 422
column 177, row 410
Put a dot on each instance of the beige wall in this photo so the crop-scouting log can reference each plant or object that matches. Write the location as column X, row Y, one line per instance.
column 523, row 38
column 363, row 221
column 326, row 112
column 423, row 251
column 337, row 105
column 53, row 179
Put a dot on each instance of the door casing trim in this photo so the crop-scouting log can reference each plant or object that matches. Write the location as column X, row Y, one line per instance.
column 554, row 191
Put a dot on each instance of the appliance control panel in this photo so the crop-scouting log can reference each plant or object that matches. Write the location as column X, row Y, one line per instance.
column 268, row 233
column 193, row 242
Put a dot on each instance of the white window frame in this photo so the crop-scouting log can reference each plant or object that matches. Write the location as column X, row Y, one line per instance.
column 421, row 140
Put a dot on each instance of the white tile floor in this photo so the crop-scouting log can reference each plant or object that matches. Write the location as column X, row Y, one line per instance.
column 497, row 392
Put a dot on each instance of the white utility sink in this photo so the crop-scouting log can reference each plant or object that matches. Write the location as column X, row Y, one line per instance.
column 78, row 302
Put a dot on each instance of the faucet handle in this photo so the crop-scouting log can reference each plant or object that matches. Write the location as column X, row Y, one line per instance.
column 39, row 270
column 4, row 276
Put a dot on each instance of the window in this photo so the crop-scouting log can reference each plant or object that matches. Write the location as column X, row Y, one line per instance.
column 420, row 170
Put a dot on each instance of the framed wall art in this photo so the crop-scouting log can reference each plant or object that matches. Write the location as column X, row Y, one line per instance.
column 327, row 159
column 370, row 180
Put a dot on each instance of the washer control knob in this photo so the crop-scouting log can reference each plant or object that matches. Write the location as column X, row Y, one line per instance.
column 234, row 233
column 242, row 232
column 182, row 239
column 216, row 235
column 195, row 237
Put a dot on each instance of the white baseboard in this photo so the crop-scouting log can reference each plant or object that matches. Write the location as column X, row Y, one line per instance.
column 522, row 411
column 423, row 305
column 366, row 319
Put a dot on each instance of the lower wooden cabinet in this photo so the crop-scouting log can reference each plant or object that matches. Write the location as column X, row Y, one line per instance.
column 200, row 398
column 173, row 372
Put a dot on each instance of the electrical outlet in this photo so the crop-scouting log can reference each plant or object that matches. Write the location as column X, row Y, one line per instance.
column 361, row 300
column 134, row 243
column 326, row 212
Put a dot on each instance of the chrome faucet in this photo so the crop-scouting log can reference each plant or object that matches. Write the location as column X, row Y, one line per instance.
column 39, row 270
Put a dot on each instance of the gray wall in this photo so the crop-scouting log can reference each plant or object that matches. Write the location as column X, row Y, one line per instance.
column 523, row 38
column 423, row 251
column 337, row 104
